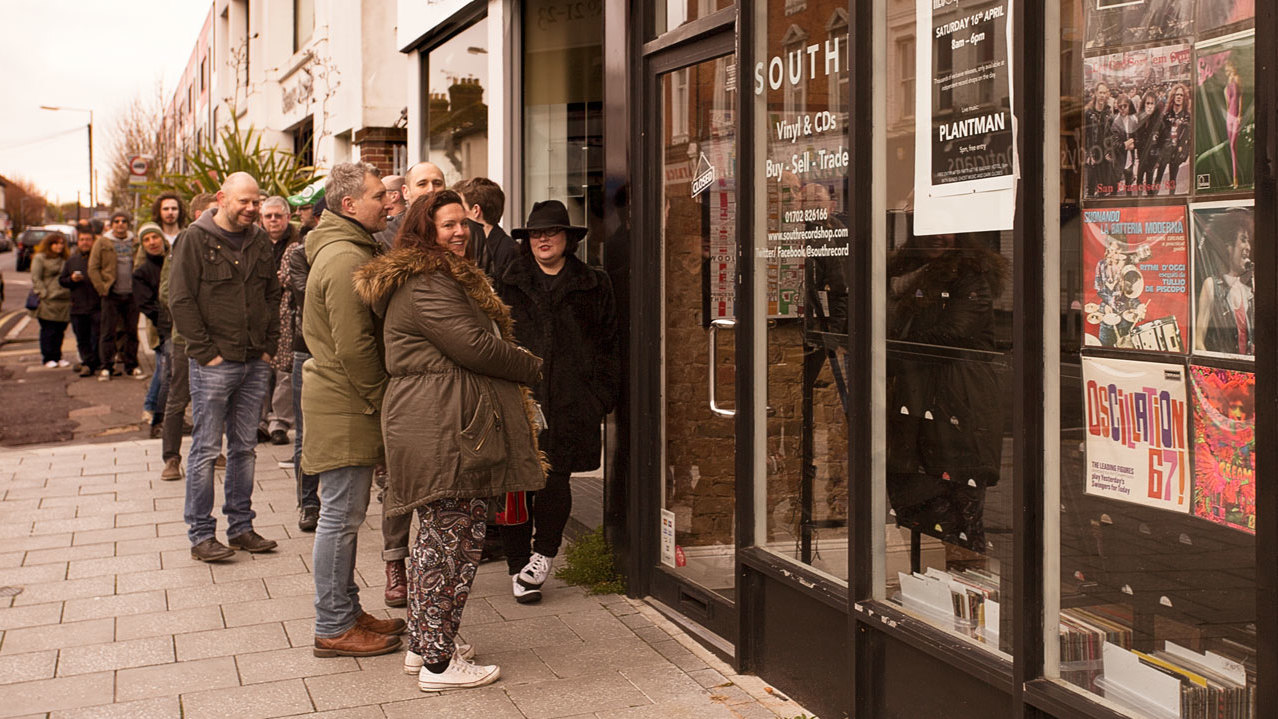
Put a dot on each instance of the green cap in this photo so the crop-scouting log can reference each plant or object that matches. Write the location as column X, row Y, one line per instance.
column 309, row 194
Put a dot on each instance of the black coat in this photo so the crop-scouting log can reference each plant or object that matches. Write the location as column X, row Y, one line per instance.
column 573, row 328
column 146, row 293
column 495, row 252
column 84, row 299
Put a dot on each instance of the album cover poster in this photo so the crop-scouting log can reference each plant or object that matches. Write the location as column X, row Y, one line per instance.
column 1224, row 278
column 1136, row 122
column 1126, row 22
column 1137, row 433
column 1224, row 446
column 1136, row 270
column 1213, row 14
column 1225, row 114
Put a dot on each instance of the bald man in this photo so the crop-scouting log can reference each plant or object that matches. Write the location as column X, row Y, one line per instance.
column 394, row 185
column 225, row 298
column 422, row 180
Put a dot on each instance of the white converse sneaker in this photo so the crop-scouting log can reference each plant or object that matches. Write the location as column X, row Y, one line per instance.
column 460, row 674
column 536, row 571
column 413, row 660
column 524, row 594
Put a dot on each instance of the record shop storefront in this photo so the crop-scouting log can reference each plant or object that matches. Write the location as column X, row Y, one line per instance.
column 947, row 342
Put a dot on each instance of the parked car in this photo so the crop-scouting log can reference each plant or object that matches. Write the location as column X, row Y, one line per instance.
column 31, row 238
column 6, row 244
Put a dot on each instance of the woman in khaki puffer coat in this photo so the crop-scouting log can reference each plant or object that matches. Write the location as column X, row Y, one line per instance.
column 54, row 311
column 457, row 421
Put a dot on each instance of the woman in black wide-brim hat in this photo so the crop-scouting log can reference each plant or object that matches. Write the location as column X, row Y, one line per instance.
column 564, row 312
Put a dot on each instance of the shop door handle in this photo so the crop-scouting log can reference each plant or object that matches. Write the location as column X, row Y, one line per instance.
column 714, row 365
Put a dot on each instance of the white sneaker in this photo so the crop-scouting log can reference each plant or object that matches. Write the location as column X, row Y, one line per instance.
column 147, row 416
column 536, row 571
column 524, row 594
column 50, row 364
column 413, row 660
column 137, row 373
column 460, row 674
column 63, row 363
column 104, row 375
column 286, row 464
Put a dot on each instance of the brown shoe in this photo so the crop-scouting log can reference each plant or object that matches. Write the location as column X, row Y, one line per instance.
column 211, row 550
column 220, row 462
column 172, row 470
column 396, row 584
column 381, row 626
column 253, row 542
column 356, row 642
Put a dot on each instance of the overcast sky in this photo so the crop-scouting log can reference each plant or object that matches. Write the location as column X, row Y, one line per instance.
column 93, row 54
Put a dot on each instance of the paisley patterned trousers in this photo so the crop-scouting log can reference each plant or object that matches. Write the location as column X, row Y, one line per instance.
column 441, row 568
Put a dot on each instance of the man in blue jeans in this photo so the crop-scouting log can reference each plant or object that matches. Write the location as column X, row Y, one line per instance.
column 224, row 297
column 342, row 390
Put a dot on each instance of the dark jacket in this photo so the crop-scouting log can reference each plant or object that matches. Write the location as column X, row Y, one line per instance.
column 146, row 293
column 223, row 303
column 493, row 253
column 85, row 300
column 387, row 236
column 573, row 328
column 294, row 270
column 456, row 420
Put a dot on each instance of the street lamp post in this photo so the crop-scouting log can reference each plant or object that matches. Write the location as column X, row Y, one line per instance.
column 93, row 194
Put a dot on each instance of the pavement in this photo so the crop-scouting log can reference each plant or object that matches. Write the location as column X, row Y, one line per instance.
column 104, row 614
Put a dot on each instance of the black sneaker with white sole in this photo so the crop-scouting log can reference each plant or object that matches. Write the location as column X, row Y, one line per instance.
column 524, row 594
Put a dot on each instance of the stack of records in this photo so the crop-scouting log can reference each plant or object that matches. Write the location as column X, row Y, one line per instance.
column 1211, row 687
column 1083, row 631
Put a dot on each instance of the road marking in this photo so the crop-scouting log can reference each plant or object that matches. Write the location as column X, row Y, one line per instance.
column 17, row 330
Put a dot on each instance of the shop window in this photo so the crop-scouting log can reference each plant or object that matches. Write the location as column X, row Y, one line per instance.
column 304, row 141
column 801, row 486
column 670, row 14
column 456, row 134
column 563, row 116
column 1154, row 604
column 839, row 82
column 944, row 316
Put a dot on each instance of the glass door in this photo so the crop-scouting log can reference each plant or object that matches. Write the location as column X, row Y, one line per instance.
column 697, row 544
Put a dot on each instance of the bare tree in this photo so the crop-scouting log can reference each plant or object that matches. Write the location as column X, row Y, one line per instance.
column 137, row 131
column 25, row 203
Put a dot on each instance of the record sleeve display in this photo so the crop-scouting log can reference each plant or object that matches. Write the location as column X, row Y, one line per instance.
column 1224, row 279
column 1225, row 114
column 1137, row 122
column 1224, row 446
column 1136, row 268
column 1123, row 22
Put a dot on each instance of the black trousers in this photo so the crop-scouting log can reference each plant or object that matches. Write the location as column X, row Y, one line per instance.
column 549, row 509
column 117, row 309
column 86, row 328
column 51, row 334
column 175, row 404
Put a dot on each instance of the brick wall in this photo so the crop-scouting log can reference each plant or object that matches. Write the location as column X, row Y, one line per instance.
column 377, row 146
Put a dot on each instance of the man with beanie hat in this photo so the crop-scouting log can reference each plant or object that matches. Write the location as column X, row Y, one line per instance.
column 148, row 265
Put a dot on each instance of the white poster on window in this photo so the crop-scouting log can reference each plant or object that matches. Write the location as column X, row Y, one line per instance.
column 965, row 164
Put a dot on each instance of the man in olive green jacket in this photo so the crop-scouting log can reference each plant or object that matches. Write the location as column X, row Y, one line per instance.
column 342, row 389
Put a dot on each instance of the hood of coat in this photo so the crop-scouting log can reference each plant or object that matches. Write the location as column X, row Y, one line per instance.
column 379, row 278
column 333, row 228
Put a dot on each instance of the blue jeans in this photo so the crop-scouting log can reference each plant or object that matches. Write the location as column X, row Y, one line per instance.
column 343, row 504
column 152, row 402
column 307, row 484
column 226, row 398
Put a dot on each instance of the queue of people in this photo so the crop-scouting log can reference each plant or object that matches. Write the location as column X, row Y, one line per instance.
column 405, row 339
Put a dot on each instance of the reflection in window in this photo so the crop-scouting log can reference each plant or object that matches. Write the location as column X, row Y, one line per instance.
column 303, row 23
column 563, row 115
column 456, row 114
column 802, row 251
column 670, row 14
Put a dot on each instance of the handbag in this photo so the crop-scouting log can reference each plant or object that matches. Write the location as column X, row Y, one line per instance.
column 33, row 301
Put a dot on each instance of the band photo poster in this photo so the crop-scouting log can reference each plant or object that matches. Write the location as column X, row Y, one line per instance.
column 965, row 165
column 1224, row 446
column 1136, row 275
column 1137, row 433
column 1224, row 279
column 1225, row 114
column 1137, row 122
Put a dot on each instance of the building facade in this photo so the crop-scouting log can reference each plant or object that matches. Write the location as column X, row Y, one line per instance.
column 946, row 357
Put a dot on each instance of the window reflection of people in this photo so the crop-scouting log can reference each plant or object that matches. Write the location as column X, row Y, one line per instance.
column 1226, row 310
column 945, row 419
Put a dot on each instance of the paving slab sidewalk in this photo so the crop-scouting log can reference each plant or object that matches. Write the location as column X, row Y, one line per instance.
column 113, row 618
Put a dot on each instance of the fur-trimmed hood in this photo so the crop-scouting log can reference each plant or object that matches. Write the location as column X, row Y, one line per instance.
column 377, row 281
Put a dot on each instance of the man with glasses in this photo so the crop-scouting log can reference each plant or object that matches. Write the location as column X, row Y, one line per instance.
column 277, row 413
column 111, row 272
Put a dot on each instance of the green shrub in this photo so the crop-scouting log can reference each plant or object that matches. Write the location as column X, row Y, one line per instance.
column 588, row 563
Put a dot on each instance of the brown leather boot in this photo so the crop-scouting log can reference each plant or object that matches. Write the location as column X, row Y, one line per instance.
column 381, row 626
column 396, row 584
column 172, row 471
column 356, row 642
